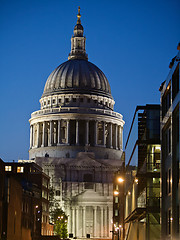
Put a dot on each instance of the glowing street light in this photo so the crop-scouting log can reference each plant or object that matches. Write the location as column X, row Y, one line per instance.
column 120, row 180
column 116, row 192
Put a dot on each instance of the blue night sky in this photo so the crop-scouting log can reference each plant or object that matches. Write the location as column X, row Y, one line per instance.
column 132, row 42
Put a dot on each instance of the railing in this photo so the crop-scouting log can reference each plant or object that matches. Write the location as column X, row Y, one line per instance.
column 153, row 167
column 76, row 110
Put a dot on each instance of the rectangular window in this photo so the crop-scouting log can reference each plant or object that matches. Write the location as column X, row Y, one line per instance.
column 175, row 83
column 8, row 168
column 116, row 212
column 53, row 100
column 166, row 183
column 166, row 100
column 74, row 99
column 169, row 221
column 20, row 169
column 57, row 193
column 116, row 200
column 169, row 140
column 167, row 137
column 59, row 100
column 169, row 181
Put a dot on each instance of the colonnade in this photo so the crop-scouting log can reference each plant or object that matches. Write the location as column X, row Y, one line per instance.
column 96, row 223
column 76, row 132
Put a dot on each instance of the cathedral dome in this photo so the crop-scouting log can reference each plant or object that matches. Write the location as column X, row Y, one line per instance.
column 77, row 76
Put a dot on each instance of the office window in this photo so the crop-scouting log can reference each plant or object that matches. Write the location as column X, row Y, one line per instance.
column 20, row 169
column 167, row 141
column 116, row 212
column 169, row 181
column 175, row 83
column 166, row 101
column 169, row 219
column 116, row 200
column 8, row 168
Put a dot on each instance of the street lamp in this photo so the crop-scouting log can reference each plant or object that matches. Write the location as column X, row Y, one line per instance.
column 120, row 179
column 118, row 206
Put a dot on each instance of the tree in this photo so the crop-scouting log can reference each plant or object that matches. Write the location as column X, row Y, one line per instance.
column 60, row 223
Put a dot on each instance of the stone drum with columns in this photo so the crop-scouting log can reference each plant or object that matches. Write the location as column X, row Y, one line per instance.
column 77, row 138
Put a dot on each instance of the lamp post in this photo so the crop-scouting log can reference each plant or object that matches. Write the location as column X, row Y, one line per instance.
column 118, row 207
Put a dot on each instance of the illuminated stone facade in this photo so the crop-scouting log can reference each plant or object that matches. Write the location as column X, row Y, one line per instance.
column 77, row 139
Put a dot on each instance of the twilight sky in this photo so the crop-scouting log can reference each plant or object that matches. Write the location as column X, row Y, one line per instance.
column 131, row 41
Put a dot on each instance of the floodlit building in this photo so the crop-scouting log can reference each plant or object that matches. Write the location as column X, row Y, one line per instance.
column 77, row 139
column 170, row 103
column 142, row 185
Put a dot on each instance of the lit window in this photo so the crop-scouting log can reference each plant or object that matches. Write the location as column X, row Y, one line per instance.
column 8, row 168
column 116, row 200
column 20, row 169
column 116, row 212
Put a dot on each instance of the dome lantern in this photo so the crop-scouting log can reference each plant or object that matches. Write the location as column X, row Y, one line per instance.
column 78, row 41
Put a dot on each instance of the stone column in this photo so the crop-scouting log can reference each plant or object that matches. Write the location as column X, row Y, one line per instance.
column 116, row 135
column 83, row 221
column 73, row 221
column 38, row 134
column 77, row 132
column 110, row 134
column 94, row 220
column 105, row 222
column 59, row 132
column 110, row 211
column 43, row 135
column 77, row 221
column 67, row 132
column 31, row 136
column 68, row 223
column 104, row 125
column 101, row 222
column 95, row 132
column 87, row 132
column 51, row 132
column 121, row 136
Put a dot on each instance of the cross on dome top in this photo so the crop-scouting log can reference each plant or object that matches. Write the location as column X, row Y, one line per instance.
column 78, row 16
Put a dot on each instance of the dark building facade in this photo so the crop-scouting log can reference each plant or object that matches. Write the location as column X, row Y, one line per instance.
column 170, row 103
column 24, row 195
column 142, row 185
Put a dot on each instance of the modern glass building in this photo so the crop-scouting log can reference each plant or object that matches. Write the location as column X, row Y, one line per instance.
column 142, row 185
